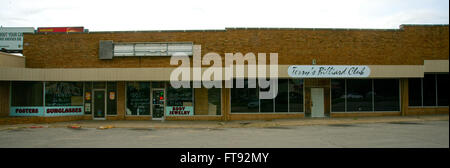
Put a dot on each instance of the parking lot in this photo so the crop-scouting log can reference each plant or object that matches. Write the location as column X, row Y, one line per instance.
column 428, row 134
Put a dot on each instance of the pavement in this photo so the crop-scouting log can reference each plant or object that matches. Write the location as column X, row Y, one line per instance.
column 427, row 132
column 99, row 124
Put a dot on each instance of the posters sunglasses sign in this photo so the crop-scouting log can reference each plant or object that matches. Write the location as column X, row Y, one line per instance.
column 47, row 111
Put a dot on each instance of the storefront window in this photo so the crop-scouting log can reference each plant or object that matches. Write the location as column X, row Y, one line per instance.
column 289, row 98
column 338, row 95
column 63, row 94
column 112, row 98
column 138, row 98
column 281, row 101
column 266, row 105
column 415, row 91
column 442, row 89
column 27, row 94
column 295, row 95
column 428, row 91
column 359, row 95
column 244, row 100
column 180, row 101
column 386, row 93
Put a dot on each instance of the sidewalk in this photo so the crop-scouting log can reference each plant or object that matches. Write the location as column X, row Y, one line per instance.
column 230, row 124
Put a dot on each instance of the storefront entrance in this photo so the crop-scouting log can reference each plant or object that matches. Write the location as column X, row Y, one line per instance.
column 158, row 103
column 317, row 102
column 99, row 102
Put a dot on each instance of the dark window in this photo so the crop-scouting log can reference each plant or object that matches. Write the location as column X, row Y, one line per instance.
column 138, row 98
column 415, row 91
column 63, row 94
column 99, row 85
column 338, row 95
column 266, row 104
column 158, row 84
column 359, row 95
column 281, row 101
column 180, row 96
column 442, row 89
column 386, row 93
column 429, row 90
column 27, row 94
column 295, row 95
column 244, row 100
column 112, row 98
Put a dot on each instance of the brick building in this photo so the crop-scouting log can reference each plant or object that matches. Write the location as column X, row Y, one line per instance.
column 124, row 75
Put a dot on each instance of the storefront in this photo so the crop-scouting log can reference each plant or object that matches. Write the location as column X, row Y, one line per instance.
column 321, row 73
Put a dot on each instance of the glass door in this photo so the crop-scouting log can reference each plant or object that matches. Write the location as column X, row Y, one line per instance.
column 99, row 104
column 158, row 104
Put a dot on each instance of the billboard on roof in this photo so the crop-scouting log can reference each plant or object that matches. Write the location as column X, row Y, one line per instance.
column 59, row 29
column 11, row 38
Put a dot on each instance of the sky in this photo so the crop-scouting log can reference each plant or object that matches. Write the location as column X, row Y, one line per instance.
column 110, row 15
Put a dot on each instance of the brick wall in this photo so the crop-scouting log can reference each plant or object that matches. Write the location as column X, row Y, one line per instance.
column 407, row 46
column 410, row 45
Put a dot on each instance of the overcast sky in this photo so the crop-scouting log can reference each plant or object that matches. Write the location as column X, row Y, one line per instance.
column 208, row 14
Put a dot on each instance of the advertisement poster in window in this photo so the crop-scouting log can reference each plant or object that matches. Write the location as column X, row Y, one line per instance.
column 179, row 110
column 112, row 95
column 87, row 96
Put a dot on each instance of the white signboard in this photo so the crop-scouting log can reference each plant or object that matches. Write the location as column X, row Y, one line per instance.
column 328, row 71
column 11, row 38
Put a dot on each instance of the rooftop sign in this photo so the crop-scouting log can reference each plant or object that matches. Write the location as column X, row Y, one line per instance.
column 11, row 38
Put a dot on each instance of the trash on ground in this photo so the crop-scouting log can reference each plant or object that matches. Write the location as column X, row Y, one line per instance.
column 74, row 126
column 36, row 127
column 106, row 127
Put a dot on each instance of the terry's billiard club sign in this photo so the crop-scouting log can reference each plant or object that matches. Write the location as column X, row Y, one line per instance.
column 328, row 71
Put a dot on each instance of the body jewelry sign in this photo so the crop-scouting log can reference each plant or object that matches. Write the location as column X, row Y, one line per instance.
column 328, row 71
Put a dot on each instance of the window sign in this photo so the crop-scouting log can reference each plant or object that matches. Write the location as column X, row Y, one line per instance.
column 179, row 111
column 26, row 111
column 63, row 111
column 112, row 95
column 87, row 96
column 87, row 107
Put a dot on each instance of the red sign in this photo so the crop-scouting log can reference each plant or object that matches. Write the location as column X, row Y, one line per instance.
column 60, row 29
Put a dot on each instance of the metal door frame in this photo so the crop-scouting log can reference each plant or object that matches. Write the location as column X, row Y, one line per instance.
column 93, row 104
column 151, row 103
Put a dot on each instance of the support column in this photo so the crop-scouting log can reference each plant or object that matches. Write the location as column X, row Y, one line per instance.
column 404, row 96
column 121, row 100
column 226, row 104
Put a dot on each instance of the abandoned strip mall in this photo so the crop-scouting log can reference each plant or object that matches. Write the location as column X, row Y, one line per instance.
column 125, row 75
